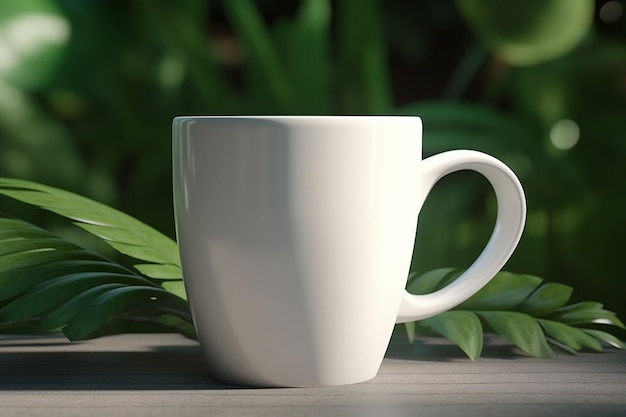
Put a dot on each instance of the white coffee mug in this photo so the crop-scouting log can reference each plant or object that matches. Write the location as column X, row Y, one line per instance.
column 296, row 235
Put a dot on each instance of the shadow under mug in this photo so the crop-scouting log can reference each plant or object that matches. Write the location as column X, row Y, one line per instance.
column 296, row 236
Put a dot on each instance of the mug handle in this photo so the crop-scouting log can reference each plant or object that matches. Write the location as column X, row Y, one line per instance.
column 506, row 233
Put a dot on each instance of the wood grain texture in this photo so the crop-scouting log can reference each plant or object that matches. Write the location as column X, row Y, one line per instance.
column 165, row 375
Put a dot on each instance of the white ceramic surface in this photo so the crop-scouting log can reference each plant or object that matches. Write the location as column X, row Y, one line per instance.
column 296, row 236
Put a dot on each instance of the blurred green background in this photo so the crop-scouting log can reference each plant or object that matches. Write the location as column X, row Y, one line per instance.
column 88, row 89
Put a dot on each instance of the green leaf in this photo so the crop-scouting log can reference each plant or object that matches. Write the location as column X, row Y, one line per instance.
column 59, row 290
column 14, row 246
column 431, row 280
column 176, row 288
column 461, row 327
column 587, row 312
column 43, row 257
column 505, row 291
column 155, row 271
column 517, row 307
column 521, row 329
column 569, row 336
column 41, row 273
column 546, row 299
column 30, row 256
column 116, row 301
column 121, row 231
column 528, row 32
column 70, row 309
column 17, row 281
column 606, row 337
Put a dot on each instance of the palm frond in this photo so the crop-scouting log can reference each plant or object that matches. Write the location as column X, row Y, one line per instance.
column 122, row 232
column 59, row 285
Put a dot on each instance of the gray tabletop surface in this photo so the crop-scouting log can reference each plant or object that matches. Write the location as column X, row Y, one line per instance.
column 165, row 375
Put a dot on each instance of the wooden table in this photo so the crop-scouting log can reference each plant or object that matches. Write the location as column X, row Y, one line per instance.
column 165, row 375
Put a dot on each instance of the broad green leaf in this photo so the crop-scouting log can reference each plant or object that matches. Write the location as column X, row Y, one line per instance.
column 17, row 281
column 521, row 329
column 43, row 257
column 505, row 291
column 14, row 246
column 160, row 271
column 62, row 315
column 145, row 253
column 528, row 32
column 569, row 336
column 34, row 36
column 548, row 298
column 108, row 305
column 59, row 290
column 461, row 327
column 8, row 233
column 42, row 273
column 430, row 281
column 586, row 312
column 11, row 228
column 127, row 234
column 176, row 288
column 606, row 337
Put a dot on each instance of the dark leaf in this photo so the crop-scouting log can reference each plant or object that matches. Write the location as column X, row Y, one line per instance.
column 570, row 336
column 114, row 302
column 606, row 337
column 59, row 290
column 431, row 280
column 461, row 327
column 521, row 329
column 505, row 291
column 549, row 297
column 586, row 312
column 121, row 231
column 62, row 315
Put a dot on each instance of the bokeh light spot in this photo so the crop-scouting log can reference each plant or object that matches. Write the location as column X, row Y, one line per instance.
column 564, row 134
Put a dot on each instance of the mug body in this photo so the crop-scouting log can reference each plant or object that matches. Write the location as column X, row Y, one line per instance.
column 296, row 236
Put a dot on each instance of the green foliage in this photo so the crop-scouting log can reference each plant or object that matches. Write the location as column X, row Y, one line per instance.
column 91, row 113
column 45, row 278
column 528, row 32
column 522, row 308
column 33, row 39
column 63, row 286
column 121, row 231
